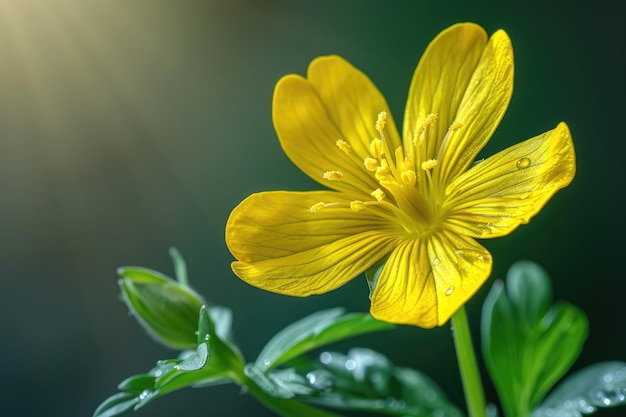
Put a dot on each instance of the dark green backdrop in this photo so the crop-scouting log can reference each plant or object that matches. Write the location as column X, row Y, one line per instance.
column 130, row 126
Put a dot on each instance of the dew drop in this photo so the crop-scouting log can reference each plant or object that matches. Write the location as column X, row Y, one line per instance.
column 607, row 398
column 207, row 337
column 320, row 379
column 350, row 364
column 430, row 395
column 267, row 362
column 522, row 163
column 450, row 290
column 158, row 373
column 395, row 404
column 436, row 261
column 144, row 394
column 326, row 358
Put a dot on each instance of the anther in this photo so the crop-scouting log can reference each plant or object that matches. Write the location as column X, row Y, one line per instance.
column 378, row 194
column 377, row 148
column 428, row 165
column 371, row 164
column 455, row 126
column 383, row 172
column 333, row 175
column 408, row 177
column 357, row 205
column 381, row 121
column 343, row 146
column 317, row 207
column 421, row 128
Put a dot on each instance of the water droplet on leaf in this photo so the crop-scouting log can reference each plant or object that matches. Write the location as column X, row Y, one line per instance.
column 320, row 379
column 606, row 397
column 326, row 358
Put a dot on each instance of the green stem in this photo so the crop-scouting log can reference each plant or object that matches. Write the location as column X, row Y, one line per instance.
column 472, row 385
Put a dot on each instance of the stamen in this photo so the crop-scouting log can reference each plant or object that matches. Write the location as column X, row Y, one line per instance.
column 428, row 165
column 455, row 126
column 377, row 148
column 408, row 177
column 383, row 172
column 381, row 121
column 317, row 207
column 371, row 164
column 357, row 205
column 421, row 128
column 343, row 146
column 378, row 194
column 333, row 175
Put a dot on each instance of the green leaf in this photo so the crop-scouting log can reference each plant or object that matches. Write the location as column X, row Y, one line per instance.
column 313, row 331
column 213, row 361
column 195, row 361
column 596, row 386
column 136, row 384
column 366, row 380
column 116, row 405
column 528, row 344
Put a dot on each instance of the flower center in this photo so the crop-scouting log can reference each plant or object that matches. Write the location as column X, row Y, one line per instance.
column 407, row 194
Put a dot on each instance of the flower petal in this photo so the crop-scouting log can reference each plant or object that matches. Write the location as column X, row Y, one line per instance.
column 282, row 246
column 509, row 188
column 426, row 280
column 405, row 292
column 460, row 267
column 482, row 107
column 440, row 81
column 352, row 101
column 336, row 102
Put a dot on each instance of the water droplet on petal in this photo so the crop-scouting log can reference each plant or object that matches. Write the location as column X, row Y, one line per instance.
column 436, row 261
column 450, row 290
column 522, row 163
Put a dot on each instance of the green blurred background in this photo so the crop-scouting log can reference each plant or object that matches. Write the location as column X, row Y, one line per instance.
column 127, row 127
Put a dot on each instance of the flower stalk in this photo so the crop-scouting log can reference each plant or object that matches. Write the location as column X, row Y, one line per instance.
column 468, row 366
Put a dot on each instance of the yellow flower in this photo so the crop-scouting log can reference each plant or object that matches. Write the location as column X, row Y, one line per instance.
column 419, row 201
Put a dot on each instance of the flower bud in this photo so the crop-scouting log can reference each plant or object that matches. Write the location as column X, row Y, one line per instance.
column 167, row 309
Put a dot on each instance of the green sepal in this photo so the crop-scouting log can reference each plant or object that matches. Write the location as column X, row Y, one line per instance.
column 597, row 386
column 313, row 331
column 372, row 274
column 528, row 344
column 180, row 266
column 167, row 309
